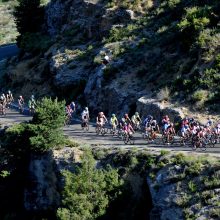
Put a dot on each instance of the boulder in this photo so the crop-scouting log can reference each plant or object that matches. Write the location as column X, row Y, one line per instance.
column 148, row 106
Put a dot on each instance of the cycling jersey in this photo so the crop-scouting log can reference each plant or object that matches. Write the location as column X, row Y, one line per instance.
column 114, row 120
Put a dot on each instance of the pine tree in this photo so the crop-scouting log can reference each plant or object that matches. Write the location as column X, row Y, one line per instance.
column 29, row 16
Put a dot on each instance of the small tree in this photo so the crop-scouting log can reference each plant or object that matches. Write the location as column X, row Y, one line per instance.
column 29, row 16
column 88, row 192
column 46, row 126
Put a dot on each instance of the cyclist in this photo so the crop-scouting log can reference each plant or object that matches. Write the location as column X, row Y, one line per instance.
column 85, row 116
column 32, row 104
column 127, row 119
column 21, row 103
column 2, row 104
column 217, row 129
column 209, row 122
column 114, row 123
column 184, row 126
column 128, row 129
column 165, row 122
column 169, row 131
column 9, row 98
column 68, row 111
column 136, row 120
column 101, row 119
column 106, row 59
column 3, row 98
column 73, row 106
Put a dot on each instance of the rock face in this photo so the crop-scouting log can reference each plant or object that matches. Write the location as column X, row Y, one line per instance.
column 148, row 106
column 41, row 194
column 45, row 179
column 164, row 196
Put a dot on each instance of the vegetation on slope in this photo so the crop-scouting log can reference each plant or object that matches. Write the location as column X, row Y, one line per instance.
column 8, row 31
column 168, row 44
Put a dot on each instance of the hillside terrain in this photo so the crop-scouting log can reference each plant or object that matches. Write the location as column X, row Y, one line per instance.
column 161, row 50
column 8, row 32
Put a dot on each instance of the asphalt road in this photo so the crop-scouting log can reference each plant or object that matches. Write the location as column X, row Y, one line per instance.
column 8, row 51
column 90, row 138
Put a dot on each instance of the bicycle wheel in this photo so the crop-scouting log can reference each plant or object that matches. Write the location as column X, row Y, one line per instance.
column 164, row 139
column 125, row 138
column 97, row 130
column 131, row 140
column 87, row 127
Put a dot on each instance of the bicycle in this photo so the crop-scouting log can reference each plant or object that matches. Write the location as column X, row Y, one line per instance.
column 128, row 139
column 85, row 125
column 101, row 129
column 167, row 138
column 3, row 109
column 198, row 143
column 21, row 108
column 68, row 120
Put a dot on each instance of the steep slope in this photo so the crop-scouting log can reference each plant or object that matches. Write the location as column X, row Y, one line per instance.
column 167, row 50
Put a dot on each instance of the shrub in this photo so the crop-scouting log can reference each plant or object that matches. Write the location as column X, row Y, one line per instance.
column 88, row 192
column 43, row 133
column 199, row 96
column 46, row 126
column 192, row 187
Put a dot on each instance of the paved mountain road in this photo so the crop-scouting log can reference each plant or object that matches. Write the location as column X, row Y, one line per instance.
column 8, row 51
column 75, row 132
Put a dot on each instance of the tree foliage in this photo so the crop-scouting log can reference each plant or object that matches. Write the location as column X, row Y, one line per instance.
column 43, row 132
column 47, row 123
column 29, row 16
column 88, row 191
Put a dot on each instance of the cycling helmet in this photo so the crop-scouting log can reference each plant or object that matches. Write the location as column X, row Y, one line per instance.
column 113, row 115
column 86, row 108
column 32, row 96
column 9, row 92
column 20, row 96
column 136, row 113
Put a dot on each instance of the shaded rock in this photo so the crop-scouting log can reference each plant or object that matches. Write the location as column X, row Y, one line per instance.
column 147, row 106
column 41, row 194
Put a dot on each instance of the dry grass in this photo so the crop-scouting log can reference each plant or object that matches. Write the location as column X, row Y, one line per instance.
column 8, row 32
column 164, row 94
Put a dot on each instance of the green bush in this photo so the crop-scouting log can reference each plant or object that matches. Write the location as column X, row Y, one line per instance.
column 87, row 192
column 46, row 126
column 199, row 95
column 42, row 133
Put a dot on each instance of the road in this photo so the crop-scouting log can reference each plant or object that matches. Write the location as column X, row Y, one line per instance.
column 8, row 51
column 90, row 138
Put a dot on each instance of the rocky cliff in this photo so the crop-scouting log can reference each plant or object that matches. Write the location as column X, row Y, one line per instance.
column 168, row 186
column 150, row 58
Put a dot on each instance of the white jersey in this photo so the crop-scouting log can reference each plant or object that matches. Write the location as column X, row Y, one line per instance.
column 85, row 115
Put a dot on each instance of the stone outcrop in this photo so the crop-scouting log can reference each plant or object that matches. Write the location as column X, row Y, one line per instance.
column 41, row 193
column 45, row 179
column 148, row 106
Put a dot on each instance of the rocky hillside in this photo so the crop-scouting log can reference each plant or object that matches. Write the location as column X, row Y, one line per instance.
column 164, row 50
